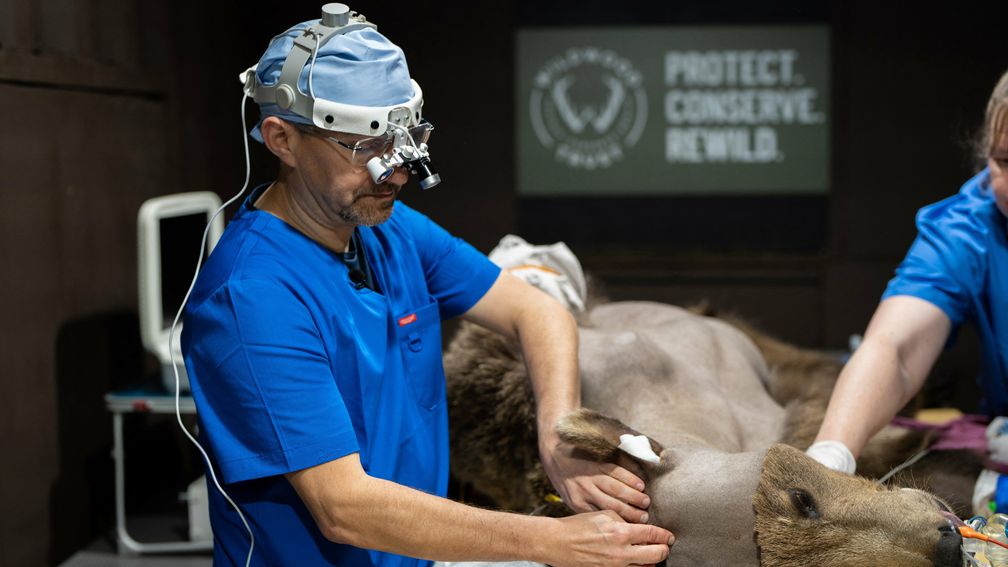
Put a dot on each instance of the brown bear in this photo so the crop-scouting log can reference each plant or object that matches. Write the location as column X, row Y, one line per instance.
column 715, row 401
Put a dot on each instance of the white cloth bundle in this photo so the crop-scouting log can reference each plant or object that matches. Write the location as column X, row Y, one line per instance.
column 552, row 268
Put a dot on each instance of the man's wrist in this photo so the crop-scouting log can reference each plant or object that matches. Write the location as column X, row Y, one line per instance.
column 547, row 429
column 549, row 537
column 548, row 449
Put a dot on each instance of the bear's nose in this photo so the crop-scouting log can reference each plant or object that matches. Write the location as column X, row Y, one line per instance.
column 949, row 552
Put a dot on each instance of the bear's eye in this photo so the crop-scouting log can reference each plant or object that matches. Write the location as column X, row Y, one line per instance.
column 804, row 503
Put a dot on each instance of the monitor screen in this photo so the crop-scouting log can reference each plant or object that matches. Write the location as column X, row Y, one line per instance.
column 180, row 243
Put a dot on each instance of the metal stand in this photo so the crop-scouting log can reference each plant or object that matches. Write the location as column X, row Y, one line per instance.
column 118, row 404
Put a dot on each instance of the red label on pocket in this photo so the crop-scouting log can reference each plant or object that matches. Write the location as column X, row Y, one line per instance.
column 407, row 319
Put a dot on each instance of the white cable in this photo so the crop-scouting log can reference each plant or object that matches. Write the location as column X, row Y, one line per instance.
column 538, row 510
column 178, row 316
column 905, row 464
column 969, row 558
column 407, row 132
column 311, row 69
column 416, row 154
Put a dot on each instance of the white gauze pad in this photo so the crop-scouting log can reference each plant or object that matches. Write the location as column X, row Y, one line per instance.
column 638, row 446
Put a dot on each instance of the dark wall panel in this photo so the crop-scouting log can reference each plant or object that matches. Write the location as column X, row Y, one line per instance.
column 69, row 247
column 77, row 166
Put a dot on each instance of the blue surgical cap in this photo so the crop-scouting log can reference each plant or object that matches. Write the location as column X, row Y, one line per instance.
column 361, row 67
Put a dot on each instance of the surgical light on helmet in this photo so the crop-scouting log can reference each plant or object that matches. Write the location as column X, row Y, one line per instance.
column 380, row 170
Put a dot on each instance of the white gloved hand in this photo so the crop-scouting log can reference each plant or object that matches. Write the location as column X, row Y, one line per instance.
column 997, row 439
column 984, row 492
column 834, row 455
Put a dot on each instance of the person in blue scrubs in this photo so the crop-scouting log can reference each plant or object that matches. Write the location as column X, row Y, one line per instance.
column 955, row 272
column 313, row 345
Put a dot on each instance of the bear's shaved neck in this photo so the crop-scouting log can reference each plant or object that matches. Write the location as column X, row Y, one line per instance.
column 706, row 501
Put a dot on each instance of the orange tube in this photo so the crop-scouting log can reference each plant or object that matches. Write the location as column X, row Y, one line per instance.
column 969, row 532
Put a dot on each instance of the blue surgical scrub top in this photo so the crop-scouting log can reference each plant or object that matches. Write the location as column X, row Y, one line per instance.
column 959, row 263
column 291, row 365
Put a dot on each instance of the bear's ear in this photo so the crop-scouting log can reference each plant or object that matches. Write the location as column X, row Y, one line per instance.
column 610, row 440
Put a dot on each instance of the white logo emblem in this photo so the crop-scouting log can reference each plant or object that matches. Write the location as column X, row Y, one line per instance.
column 588, row 105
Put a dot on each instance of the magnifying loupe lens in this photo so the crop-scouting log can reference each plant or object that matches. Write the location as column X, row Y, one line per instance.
column 379, row 170
column 423, row 170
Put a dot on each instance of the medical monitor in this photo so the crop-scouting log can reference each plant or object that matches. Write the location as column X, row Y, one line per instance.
column 169, row 232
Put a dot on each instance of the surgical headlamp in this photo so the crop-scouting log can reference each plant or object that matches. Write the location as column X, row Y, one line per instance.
column 393, row 121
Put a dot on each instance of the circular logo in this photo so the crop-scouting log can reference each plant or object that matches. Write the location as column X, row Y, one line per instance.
column 588, row 105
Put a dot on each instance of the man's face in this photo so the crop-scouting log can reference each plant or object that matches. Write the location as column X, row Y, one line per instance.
column 998, row 163
column 343, row 188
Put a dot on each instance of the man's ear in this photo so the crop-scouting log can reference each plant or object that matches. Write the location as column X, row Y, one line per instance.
column 610, row 440
column 279, row 136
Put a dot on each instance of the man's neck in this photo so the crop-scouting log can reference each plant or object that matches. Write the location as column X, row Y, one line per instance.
column 279, row 201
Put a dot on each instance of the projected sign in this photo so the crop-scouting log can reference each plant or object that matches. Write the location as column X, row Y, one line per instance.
column 649, row 111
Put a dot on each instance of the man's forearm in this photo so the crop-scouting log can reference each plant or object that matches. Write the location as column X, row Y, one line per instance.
column 378, row 514
column 549, row 342
column 353, row 508
column 548, row 336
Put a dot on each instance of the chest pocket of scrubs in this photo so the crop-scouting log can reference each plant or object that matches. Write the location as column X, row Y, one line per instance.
column 420, row 341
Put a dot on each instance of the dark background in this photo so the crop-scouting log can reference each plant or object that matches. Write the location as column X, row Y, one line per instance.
column 106, row 103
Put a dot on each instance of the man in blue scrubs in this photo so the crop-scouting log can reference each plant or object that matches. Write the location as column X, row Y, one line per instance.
column 956, row 271
column 313, row 345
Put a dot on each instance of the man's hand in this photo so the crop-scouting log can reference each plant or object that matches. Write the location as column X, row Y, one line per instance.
column 603, row 539
column 548, row 336
column 588, row 486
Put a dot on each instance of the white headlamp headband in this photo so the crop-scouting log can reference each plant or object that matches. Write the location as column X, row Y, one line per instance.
column 337, row 19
